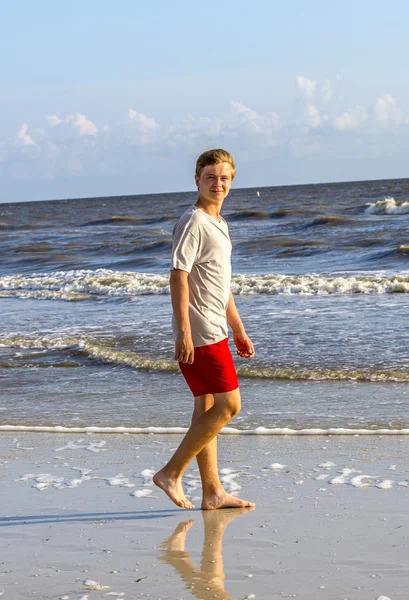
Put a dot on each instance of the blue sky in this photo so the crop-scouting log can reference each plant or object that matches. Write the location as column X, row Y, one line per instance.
column 103, row 98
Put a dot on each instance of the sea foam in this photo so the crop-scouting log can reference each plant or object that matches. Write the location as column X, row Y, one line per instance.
column 182, row 430
column 389, row 206
column 82, row 285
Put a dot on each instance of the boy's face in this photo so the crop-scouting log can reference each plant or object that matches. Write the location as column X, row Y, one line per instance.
column 215, row 182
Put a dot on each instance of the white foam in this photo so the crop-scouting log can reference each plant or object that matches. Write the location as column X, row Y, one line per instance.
column 74, row 483
column 142, row 494
column 83, row 284
column 386, row 484
column 79, row 285
column 44, row 481
column 182, row 430
column 76, row 445
column 344, row 477
column 17, row 445
column 389, row 206
column 228, row 479
column 82, row 470
column 90, row 584
column 276, row 467
column 361, row 481
column 119, row 481
column 146, row 476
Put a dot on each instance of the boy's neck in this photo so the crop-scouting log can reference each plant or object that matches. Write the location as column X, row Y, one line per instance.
column 210, row 208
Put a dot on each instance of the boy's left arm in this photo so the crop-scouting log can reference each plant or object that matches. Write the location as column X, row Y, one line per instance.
column 243, row 343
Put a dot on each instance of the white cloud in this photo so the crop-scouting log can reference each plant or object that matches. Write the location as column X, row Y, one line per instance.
column 53, row 120
column 84, row 125
column 72, row 144
column 143, row 122
column 327, row 90
column 387, row 112
column 23, row 137
column 143, row 129
column 312, row 116
column 247, row 113
column 265, row 123
column 352, row 119
column 307, row 85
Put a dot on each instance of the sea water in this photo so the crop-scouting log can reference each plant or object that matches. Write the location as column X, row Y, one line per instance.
column 321, row 280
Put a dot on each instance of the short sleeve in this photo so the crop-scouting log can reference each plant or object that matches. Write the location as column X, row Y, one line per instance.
column 184, row 249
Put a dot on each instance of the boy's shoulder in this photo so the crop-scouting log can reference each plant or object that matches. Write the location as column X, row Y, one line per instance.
column 190, row 218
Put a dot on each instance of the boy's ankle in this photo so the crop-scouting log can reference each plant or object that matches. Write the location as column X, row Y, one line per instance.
column 213, row 490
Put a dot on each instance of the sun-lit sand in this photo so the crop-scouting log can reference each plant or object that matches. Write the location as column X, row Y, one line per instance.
column 81, row 519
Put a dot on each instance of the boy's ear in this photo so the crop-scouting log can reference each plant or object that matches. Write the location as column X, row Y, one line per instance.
column 197, row 180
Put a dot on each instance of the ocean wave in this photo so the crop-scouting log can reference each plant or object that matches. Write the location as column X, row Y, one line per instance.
column 329, row 220
column 81, row 285
column 319, row 284
column 114, row 220
column 106, row 353
column 281, row 213
column 183, row 430
column 387, row 207
column 248, row 214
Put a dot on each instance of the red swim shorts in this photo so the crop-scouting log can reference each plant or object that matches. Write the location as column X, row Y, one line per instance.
column 212, row 370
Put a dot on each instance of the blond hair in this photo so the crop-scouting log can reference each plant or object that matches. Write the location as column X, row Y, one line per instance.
column 215, row 157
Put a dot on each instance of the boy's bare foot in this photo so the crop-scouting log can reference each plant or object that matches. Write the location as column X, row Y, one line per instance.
column 173, row 488
column 224, row 500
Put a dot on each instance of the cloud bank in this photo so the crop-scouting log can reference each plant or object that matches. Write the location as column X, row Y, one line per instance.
column 67, row 145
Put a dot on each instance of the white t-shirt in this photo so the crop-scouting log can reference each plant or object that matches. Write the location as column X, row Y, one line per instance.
column 202, row 247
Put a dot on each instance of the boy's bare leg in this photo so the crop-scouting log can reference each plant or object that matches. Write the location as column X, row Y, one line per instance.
column 214, row 495
column 201, row 432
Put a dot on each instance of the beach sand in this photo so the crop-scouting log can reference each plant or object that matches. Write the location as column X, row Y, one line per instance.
column 80, row 519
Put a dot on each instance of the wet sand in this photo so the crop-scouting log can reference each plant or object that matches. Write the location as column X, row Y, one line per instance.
column 80, row 519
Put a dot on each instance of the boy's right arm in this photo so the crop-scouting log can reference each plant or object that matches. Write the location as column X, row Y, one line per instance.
column 179, row 290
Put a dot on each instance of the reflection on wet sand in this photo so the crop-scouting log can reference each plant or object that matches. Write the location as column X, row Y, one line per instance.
column 208, row 581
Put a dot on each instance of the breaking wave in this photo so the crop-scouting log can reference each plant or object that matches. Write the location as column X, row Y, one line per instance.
column 389, row 206
column 81, row 285
column 106, row 353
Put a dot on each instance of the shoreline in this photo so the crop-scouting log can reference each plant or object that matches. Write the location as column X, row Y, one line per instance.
column 330, row 520
column 155, row 430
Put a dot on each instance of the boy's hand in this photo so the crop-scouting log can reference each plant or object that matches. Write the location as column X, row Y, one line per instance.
column 184, row 349
column 244, row 345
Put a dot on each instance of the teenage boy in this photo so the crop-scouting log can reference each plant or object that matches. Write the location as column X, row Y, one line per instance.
column 203, row 304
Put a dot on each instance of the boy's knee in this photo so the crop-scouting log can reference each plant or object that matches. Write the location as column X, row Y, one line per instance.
column 231, row 404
